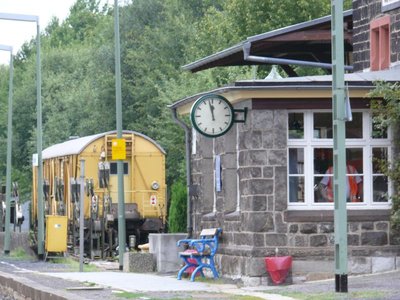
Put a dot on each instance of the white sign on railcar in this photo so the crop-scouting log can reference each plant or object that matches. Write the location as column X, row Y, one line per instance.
column 35, row 160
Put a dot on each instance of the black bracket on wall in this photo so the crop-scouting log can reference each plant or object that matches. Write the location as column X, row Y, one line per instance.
column 243, row 113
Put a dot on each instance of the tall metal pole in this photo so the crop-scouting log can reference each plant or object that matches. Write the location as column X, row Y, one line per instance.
column 9, row 149
column 120, row 165
column 81, row 215
column 339, row 147
column 39, row 146
column 31, row 18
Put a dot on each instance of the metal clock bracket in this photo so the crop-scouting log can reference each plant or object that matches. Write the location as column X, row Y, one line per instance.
column 240, row 115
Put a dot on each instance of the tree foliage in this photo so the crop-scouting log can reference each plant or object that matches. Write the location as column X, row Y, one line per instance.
column 177, row 211
column 386, row 113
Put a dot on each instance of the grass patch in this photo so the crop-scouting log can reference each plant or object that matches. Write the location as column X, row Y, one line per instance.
column 239, row 297
column 129, row 295
column 20, row 254
column 209, row 280
column 331, row 295
column 72, row 264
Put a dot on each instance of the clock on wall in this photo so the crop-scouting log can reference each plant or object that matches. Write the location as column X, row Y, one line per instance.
column 212, row 115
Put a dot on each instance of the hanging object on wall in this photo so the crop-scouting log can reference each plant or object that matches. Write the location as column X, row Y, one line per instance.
column 218, row 179
column 213, row 115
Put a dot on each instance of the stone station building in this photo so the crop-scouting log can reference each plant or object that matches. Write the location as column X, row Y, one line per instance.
column 268, row 198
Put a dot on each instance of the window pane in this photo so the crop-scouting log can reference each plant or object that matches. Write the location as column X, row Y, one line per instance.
column 322, row 160
column 296, row 189
column 380, row 189
column 323, row 188
column 379, row 160
column 323, row 185
column 322, row 125
column 354, row 128
column 354, row 188
column 354, row 158
column 379, row 131
column 296, row 126
column 114, row 171
column 296, row 161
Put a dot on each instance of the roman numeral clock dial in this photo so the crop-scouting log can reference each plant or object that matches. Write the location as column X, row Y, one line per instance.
column 212, row 115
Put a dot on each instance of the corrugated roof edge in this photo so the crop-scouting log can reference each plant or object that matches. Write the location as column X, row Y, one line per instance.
column 76, row 146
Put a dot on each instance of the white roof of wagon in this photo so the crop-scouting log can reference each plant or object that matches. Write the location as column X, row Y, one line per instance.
column 77, row 145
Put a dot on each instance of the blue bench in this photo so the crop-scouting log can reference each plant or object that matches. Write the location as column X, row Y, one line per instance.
column 201, row 253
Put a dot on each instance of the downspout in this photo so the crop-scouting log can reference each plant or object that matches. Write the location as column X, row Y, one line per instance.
column 283, row 61
column 188, row 171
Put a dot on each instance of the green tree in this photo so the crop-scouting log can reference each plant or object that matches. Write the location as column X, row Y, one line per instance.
column 177, row 211
column 386, row 113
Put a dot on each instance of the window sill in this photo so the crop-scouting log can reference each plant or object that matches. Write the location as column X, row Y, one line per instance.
column 327, row 215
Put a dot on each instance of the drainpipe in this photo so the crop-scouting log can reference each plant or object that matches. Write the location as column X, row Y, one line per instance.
column 283, row 61
column 188, row 171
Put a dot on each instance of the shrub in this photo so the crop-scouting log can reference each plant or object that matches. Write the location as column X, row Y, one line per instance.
column 177, row 212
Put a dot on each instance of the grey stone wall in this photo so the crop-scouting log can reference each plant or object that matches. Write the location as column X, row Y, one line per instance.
column 363, row 12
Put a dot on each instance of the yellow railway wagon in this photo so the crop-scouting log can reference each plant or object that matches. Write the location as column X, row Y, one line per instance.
column 144, row 189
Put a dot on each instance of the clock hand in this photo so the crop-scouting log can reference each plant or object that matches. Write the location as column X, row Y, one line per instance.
column 212, row 111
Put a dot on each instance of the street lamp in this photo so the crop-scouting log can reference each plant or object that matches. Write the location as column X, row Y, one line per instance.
column 35, row 19
column 9, row 144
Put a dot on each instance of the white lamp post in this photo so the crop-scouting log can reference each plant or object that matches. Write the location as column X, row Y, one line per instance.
column 9, row 149
column 35, row 19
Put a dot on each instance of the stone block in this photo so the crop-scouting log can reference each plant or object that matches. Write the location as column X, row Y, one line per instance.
column 165, row 252
column 382, row 264
column 293, row 228
column 251, row 281
column 308, row 228
column 319, row 240
column 382, row 226
column 138, row 262
column 309, row 266
column 277, row 157
column 353, row 239
column 378, row 238
column 280, row 225
column 249, row 172
column 257, row 187
column 253, row 158
column 360, row 265
column 268, row 172
column 255, row 203
column 326, row 227
column 397, row 262
column 254, row 266
column 262, row 119
column 250, row 140
column 258, row 221
column 367, row 225
column 273, row 240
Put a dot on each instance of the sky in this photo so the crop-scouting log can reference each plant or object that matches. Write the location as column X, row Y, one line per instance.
column 15, row 33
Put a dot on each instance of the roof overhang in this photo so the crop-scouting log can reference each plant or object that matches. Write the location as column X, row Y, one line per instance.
column 320, row 87
column 307, row 41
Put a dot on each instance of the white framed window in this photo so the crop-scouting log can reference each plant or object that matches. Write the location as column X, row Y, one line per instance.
column 310, row 160
column 390, row 4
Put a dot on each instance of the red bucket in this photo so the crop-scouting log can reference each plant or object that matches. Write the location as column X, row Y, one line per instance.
column 278, row 267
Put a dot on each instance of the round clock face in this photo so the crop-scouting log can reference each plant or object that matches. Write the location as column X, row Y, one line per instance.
column 212, row 115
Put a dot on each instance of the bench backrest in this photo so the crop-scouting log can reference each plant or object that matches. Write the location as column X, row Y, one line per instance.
column 210, row 232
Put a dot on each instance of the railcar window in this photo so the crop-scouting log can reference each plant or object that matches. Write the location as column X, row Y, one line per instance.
column 113, row 168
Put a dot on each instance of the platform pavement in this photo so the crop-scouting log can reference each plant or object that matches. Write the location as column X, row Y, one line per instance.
column 143, row 282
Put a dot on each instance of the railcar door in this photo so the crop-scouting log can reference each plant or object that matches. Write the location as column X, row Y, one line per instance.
column 114, row 182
